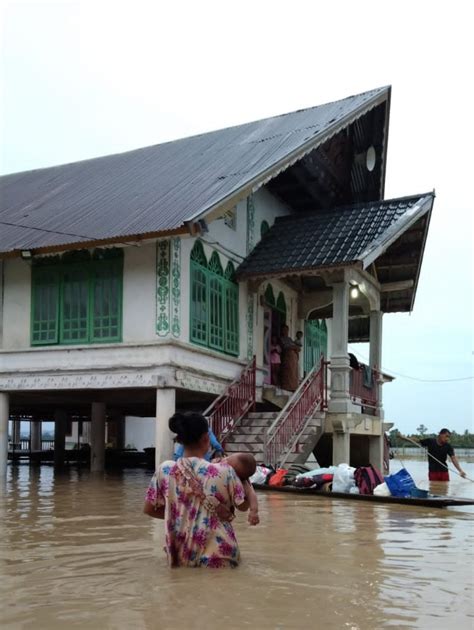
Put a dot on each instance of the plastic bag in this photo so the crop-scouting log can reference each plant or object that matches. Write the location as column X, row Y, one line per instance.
column 382, row 490
column 343, row 479
column 260, row 475
column 400, row 484
column 318, row 471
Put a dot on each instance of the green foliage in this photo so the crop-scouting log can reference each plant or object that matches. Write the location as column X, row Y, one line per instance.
column 458, row 440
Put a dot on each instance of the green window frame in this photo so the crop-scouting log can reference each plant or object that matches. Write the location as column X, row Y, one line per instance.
column 269, row 296
column 77, row 299
column 315, row 343
column 44, row 306
column 281, row 305
column 214, row 303
column 264, row 228
column 231, row 311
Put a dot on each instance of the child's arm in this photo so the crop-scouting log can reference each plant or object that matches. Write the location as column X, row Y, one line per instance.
column 252, row 500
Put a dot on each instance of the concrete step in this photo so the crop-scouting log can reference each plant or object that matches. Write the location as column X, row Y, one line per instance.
column 250, row 430
column 246, row 439
column 256, row 422
column 262, row 414
column 255, row 449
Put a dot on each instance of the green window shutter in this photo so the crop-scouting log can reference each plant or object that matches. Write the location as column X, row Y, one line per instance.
column 199, row 305
column 281, row 305
column 44, row 306
column 198, row 255
column 231, row 318
column 74, row 313
column 106, row 302
column 324, row 338
column 270, row 296
column 264, row 227
column 315, row 343
column 216, row 315
column 216, row 303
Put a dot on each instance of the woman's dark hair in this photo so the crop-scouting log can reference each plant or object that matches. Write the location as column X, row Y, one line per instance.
column 189, row 427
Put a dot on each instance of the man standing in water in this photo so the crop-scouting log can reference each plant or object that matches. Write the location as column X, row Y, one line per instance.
column 439, row 448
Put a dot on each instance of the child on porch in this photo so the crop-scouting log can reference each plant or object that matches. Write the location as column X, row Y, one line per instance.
column 275, row 361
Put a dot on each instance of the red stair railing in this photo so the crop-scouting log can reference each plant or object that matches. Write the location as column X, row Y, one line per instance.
column 310, row 396
column 237, row 400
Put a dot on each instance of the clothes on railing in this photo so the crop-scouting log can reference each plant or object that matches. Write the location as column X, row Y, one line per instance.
column 367, row 379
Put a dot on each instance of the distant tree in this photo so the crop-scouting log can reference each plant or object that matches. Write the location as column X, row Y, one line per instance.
column 422, row 430
column 395, row 440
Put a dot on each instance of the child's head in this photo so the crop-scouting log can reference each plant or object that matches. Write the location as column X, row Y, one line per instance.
column 244, row 464
column 299, row 334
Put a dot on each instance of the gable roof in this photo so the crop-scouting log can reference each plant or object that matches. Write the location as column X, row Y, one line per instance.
column 157, row 189
column 357, row 234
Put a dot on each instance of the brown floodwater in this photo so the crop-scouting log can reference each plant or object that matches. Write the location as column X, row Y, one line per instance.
column 76, row 552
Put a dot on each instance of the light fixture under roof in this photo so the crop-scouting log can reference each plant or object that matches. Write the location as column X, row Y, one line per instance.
column 370, row 158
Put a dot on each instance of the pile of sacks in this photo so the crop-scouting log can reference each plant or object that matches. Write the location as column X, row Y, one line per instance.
column 334, row 478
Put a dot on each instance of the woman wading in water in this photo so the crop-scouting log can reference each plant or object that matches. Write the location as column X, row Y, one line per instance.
column 196, row 499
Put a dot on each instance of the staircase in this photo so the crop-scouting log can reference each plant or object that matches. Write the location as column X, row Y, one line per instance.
column 277, row 438
column 306, row 441
column 249, row 436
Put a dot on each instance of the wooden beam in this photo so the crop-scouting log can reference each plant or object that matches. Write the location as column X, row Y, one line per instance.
column 401, row 285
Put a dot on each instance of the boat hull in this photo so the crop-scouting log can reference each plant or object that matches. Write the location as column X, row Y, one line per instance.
column 431, row 501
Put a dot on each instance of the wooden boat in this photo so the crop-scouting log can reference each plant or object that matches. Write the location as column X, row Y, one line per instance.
column 432, row 500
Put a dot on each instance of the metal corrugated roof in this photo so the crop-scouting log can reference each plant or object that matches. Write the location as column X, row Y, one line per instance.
column 156, row 189
column 343, row 236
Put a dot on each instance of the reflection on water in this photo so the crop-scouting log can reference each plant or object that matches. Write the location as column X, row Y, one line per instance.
column 76, row 551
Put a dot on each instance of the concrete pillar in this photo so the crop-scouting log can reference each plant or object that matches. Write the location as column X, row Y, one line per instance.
column 165, row 408
column 340, row 397
column 376, row 353
column 86, row 432
column 35, row 435
column 4, row 415
column 60, row 419
column 376, row 451
column 98, row 437
column 341, row 448
column 120, row 431
column 16, row 433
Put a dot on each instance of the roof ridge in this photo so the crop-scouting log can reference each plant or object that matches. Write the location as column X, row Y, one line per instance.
column 350, row 206
column 374, row 91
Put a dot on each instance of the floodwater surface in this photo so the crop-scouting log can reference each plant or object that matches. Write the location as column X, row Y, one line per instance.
column 76, row 552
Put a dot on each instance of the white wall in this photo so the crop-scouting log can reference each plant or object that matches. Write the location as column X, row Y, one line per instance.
column 226, row 238
column 139, row 432
column 139, row 293
column 268, row 208
column 17, row 304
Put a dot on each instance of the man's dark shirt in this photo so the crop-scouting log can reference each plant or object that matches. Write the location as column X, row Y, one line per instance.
column 439, row 451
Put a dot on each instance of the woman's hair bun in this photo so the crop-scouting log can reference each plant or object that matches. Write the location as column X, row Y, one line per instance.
column 176, row 423
column 189, row 426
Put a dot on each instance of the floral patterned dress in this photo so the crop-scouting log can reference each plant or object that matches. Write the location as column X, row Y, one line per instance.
column 190, row 489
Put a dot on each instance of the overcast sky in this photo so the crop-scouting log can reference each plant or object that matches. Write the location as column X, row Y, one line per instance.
column 81, row 79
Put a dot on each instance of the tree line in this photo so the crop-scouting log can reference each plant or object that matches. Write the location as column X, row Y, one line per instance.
column 459, row 440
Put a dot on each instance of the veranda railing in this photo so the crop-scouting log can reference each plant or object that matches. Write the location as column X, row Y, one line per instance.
column 308, row 398
column 237, row 400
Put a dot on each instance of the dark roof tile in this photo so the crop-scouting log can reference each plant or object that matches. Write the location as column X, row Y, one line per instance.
column 341, row 236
